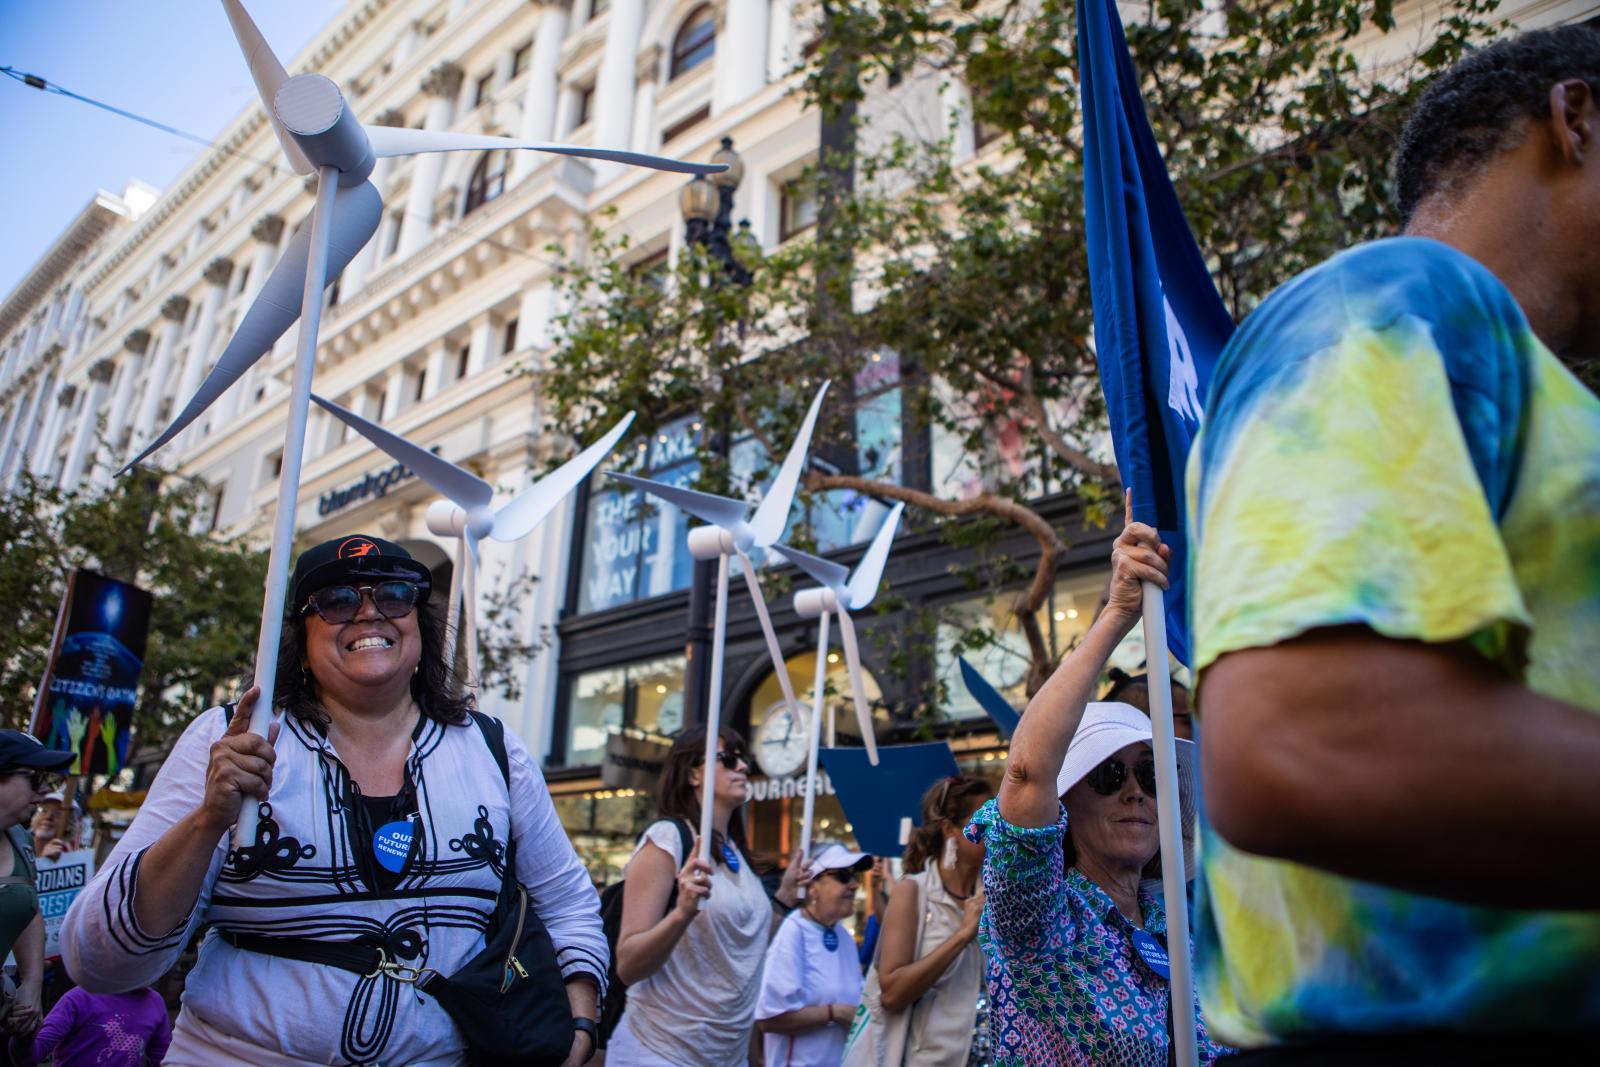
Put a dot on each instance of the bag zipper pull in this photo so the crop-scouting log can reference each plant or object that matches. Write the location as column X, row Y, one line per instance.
column 522, row 972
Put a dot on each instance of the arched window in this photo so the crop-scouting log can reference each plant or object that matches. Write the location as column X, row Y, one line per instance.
column 487, row 182
column 696, row 41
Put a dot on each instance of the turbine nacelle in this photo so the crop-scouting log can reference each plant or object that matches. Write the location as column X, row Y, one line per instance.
column 314, row 112
column 446, row 519
column 710, row 542
column 812, row 603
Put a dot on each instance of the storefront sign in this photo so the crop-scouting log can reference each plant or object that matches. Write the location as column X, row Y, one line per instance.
column 60, row 881
column 85, row 703
column 633, row 762
column 373, row 485
column 789, row 788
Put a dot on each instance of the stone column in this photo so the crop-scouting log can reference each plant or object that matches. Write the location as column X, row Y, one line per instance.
column 267, row 231
column 394, row 389
column 217, row 274
column 540, row 95
column 136, row 344
column 613, row 92
column 956, row 104
column 479, row 346
column 173, row 311
column 21, row 435
column 44, row 450
column 355, row 275
column 443, row 84
column 782, row 50
column 436, row 370
column 88, row 423
column 646, row 75
column 741, row 60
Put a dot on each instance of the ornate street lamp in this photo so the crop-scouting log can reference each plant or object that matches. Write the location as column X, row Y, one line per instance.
column 707, row 208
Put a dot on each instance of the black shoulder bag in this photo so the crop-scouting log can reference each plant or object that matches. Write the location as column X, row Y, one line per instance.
column 509, row 1000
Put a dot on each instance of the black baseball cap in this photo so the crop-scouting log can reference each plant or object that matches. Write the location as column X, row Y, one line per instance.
column 18, row 749
column 356, row 559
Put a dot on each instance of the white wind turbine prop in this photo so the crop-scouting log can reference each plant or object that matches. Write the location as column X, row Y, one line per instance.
column 319, row 132
column 730, row 535
column 841, row 593
column 465, row 513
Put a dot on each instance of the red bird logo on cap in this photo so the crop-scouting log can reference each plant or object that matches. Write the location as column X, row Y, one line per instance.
column 358, row 546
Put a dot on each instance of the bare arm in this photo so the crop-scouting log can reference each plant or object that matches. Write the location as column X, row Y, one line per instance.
column 24, row 1016
column 1413, row 765
column 583, row 997
column 1028, row 792
column 808, row 1018
column 903, row 979
column 649, row 931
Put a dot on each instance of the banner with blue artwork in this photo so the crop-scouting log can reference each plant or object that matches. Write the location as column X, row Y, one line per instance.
column 1159, row 324
column 92, row 681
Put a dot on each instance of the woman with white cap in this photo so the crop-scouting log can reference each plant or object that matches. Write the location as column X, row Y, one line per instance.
column 812, row 979
column 1074, row 928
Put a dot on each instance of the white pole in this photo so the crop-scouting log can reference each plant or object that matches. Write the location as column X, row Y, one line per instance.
column 719, row 634
column 453, row 612
column 294, row 444
column 469, row 616
column 1169, row 812
column 813, row 739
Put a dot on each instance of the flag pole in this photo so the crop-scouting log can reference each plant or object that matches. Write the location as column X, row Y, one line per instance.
column 1169, row 814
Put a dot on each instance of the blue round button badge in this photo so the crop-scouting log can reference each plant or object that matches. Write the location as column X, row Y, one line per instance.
column 1153, row 954
column 392, row 844
column 830, row 939
column 731, row 856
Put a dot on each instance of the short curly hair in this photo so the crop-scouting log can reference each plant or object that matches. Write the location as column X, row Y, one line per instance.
column 1473, row 111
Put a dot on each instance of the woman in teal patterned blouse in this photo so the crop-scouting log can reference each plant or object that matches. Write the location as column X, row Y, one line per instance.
column 1067, row 908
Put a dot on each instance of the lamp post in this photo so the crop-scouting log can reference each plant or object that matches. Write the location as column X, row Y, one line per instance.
column 707, row 207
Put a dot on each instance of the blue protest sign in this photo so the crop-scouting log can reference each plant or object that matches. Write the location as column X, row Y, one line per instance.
column 876, row 799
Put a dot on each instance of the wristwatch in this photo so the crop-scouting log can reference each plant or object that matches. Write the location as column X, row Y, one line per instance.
column 589, row 1027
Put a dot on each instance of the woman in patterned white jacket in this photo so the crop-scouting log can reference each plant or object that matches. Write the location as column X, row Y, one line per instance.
column 384, row 819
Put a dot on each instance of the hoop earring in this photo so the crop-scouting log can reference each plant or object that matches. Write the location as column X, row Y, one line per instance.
column 949, row 859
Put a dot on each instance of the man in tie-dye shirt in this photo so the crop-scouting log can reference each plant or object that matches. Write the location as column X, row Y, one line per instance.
column 1395, row 513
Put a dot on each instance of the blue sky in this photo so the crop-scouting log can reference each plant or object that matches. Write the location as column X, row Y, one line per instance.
column 174, row 61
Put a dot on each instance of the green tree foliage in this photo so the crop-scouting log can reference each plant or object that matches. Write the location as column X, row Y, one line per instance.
column 972, row 268
column 150, row 530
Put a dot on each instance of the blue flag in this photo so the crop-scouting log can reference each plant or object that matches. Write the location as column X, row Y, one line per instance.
column 989, row 699
column 878, row 800
column 1159, row 324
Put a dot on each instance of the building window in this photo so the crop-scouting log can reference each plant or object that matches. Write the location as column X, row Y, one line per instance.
column 797, row 207
column 519, row 58
column 696, row 41
column 598, row 8
column 462, row 355
column 396, row 224
column 633, row 544
column 508, row 341
column 644, row 696
column 488, row 180
column 652, row 270
column 481, row 93
column 685, row 124
column 272, row 466
column 581, row 113
column 422, row 383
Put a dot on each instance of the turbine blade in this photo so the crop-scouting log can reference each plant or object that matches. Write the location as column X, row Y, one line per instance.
column 268, row 75
column 463, row 487
column 823, row 571
column 754, row 585
column 717, row 510
column 773, row 514
column 864, row 583
column 518, row 518
column 852, row 658
column 357, row 212
column 398, row 141
column 989, row 699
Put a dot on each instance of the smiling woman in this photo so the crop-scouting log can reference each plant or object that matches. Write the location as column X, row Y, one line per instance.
column 392, row 817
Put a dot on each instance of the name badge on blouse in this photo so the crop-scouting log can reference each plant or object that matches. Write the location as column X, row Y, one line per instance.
column 830, row 939
column 731, row 856
column 391, row 844
column 1153, row 954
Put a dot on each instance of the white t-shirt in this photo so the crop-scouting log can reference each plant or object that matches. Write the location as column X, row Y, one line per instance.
column 803, row 972
column 698, row 1008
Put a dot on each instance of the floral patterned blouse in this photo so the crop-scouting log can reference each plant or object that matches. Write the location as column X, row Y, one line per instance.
column 1066, row 983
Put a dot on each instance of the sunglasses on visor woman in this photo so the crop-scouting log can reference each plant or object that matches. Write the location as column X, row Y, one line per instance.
column 1107, row 778
column 338, row 604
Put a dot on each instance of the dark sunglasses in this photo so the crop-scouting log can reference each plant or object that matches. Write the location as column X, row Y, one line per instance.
column 729, row 759
column 338, row 604
column 36, row 778
column 1107, row 778
column 844, row 877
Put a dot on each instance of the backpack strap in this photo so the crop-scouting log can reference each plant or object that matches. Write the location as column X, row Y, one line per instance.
column 494, row 735
column 685, row 838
